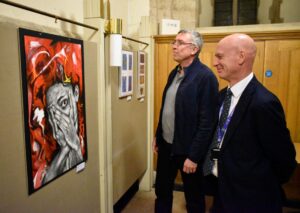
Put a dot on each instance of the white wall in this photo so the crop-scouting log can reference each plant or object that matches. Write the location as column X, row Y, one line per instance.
column 130, row 11
column 206, row 13
column 72, row 192
column 136, row 9
column 263, row 11
column 70, row 9
column 289, row 11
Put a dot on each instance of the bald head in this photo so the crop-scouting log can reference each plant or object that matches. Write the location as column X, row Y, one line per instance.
column 241, row 42
column 234, row 57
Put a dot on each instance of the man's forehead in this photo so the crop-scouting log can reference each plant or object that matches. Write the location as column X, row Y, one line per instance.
column 226, row 46
column 183, row 36
column 219, row 49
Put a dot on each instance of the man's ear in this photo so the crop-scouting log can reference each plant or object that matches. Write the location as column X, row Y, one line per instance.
column 195, row 50
column 76, row 93
column 242, row 57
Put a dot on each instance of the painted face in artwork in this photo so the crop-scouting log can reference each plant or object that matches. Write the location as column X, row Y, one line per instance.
column 62, row 116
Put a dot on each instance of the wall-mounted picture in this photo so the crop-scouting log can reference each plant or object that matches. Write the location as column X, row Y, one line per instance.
column 54, row 105
column 126, row 75
column 141, row 75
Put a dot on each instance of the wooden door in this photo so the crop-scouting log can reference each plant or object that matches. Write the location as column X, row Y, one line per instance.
column 282, row 77
column 164, row 64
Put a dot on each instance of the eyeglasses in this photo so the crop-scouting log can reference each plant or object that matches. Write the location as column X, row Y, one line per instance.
column 179, row 43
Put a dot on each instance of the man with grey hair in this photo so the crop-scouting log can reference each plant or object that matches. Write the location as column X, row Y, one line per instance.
column 186, row 120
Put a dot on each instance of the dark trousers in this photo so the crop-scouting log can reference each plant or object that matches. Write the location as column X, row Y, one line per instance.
column 217, row 206
column 236, row 206
column 167, row 168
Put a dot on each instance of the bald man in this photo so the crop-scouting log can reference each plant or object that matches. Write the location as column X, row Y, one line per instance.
column 251, row 154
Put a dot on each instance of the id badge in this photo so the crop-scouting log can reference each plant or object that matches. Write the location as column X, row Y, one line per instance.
column 215, row 154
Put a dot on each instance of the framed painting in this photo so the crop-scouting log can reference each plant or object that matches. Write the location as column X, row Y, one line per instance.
column 54, row 105
column 126, row 75
column 141, row 73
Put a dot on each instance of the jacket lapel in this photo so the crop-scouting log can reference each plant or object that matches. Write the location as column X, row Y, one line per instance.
column 240, row 110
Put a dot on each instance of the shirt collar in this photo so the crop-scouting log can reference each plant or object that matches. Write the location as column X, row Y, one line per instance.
column 239, row 87
column 179, row 67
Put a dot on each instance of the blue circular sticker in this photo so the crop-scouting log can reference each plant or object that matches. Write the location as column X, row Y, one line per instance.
column 268, row 73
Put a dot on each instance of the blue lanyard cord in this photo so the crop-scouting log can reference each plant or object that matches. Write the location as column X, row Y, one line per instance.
column 221, row 130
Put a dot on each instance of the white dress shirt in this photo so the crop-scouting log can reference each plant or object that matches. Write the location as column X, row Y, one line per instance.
column 237, row 90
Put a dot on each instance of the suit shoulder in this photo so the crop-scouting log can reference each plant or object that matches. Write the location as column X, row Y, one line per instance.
column 265, row 99
column 265, row 95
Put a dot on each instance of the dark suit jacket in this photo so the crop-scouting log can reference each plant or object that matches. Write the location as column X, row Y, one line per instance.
column 257, row 154
column 195, row 111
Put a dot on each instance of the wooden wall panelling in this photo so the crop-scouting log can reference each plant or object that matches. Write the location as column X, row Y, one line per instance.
column 258, row 66
column 282, row 58
column 164, row 64
column 293, row 107
column 159, row 76
column 207, row 57
column 277, row 62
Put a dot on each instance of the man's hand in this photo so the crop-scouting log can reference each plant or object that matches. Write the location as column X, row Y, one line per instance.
column 189, row 166
column 154, row 146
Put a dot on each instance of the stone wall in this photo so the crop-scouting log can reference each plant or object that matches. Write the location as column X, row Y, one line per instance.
column 185, row 11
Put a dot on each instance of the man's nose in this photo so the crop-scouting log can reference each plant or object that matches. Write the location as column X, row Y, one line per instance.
column 215, row 62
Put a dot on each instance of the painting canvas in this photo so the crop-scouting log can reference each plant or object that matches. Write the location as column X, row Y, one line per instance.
column 141, row 75
column 54, row 105
column 126, row 74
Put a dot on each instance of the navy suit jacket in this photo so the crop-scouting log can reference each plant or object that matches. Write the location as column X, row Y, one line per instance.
column 257, row 154
column 195, row 111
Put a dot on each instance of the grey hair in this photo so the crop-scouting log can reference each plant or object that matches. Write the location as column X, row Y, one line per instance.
column 196, row 38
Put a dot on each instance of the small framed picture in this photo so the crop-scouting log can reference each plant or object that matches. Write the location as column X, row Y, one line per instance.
column 126, row 74
column 141, row 73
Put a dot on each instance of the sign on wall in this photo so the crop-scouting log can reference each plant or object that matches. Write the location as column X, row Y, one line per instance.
column 54, row 105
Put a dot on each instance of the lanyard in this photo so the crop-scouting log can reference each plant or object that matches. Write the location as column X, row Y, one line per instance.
column 221, row 130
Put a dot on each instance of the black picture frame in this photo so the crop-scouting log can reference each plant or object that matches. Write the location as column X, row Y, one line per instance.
column 52, row 69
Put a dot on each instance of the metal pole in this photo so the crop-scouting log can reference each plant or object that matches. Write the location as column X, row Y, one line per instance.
column 131, row 39
column 47, row 14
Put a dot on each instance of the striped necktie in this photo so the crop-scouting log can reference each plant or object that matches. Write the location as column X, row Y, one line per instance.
column 208, row 163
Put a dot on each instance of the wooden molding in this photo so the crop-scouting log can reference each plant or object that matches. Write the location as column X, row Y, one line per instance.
column 256, row 35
